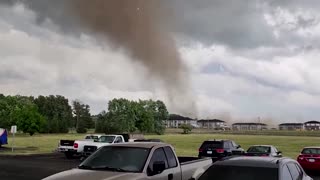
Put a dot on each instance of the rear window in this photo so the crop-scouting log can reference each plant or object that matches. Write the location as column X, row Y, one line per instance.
column 212, row 144
column 259, row 149
column 311, row 151
column 239, row 173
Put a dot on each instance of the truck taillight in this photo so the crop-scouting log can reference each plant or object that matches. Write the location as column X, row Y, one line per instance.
column 220, row 150
column 200, row 150
column 75, row 145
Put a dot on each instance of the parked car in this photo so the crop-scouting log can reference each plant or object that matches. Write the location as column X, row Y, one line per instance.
column 309, row 158
column 69, row 148
column 86, row 148
column 3, row 137
column 135, row 161
column 253, row 168
column 217, row 149
column 263, row 150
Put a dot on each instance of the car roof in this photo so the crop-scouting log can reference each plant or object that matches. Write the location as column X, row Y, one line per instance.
column 140, row 144
column 261, row 145
column 312, row 147
column 268, row 162
column 213, row 140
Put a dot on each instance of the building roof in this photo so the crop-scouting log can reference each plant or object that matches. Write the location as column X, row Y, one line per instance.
column 291, row 124
column 250, row 123
column 178, row 117
column 314, row 122
column 210, row 120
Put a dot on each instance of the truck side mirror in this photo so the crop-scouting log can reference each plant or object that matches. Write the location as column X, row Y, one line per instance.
column 279, row 152
column 158, row 167
column 238, row 146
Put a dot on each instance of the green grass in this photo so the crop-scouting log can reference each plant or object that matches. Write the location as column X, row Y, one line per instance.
column 185, row 145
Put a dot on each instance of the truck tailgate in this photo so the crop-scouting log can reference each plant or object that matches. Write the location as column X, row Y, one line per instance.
column 189, row 168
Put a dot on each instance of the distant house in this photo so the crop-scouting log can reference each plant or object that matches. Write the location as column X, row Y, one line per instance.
column 291, row 126
column 312, row 125
column 175, row 121
column 212, row 123
column 248, row 126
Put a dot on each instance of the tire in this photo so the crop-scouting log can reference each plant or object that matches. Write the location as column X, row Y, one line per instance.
column 69, row 155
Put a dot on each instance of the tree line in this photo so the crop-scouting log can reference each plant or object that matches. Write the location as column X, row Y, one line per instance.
column 146, row 116
column 55, row 114
column 43, row 114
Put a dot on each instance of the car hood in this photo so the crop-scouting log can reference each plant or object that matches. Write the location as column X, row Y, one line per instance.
column 79, row 174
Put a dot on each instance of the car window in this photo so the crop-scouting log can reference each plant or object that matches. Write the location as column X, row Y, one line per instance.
column 239, row 173
column 172, row 161
column 259, row 149
column 234, row 144
column 118, row 140
column 231, row 145
column 299, row 169
column 310, row 151
column 211, row 144
column 126, row 158
column 285, row 173
column 158, row 155
column 106, row 139
column 294, row 172
column 226, row 145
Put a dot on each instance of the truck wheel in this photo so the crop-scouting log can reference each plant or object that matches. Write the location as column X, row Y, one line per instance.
column 68, row 155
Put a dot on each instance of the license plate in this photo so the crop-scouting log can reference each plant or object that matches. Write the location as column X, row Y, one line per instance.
column 311, row 160
column 209, row 152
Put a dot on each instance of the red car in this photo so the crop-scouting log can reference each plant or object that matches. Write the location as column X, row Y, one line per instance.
column 309, row 158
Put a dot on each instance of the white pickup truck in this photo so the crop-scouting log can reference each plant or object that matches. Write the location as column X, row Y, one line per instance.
column 136, row 161
column 86, row 148
column 69, row 148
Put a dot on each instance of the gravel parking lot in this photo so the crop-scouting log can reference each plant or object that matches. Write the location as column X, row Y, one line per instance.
column 36, row 167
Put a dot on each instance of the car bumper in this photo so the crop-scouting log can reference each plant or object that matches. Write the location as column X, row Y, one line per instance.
column 66, row 150
column 310, row 166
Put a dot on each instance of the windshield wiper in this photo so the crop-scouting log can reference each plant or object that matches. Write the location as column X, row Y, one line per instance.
column 84, row 167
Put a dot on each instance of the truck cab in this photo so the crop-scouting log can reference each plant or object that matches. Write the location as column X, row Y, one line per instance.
column 90, row 147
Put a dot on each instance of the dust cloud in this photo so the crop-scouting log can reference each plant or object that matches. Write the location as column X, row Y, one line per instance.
column 141, row 28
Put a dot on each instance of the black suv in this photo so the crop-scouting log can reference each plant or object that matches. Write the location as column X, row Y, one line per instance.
column 219, row 148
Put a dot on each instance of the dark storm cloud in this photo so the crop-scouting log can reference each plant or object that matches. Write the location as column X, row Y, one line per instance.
column 234, row 23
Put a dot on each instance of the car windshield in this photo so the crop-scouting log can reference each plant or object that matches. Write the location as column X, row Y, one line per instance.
column 259, row 149
column 128, row 159
column 106, row 139
column 240, row 173
column 311, row 151
column 211, row 144
column 92, row 137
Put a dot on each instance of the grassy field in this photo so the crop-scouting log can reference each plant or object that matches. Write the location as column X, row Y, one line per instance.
column 184, row 144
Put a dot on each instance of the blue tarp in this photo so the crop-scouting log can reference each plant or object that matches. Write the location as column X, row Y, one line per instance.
column 3, row 136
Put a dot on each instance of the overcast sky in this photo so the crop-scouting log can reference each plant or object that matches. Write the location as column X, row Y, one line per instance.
column 247, row 59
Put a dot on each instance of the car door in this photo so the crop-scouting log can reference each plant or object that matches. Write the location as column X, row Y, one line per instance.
column 159, row 155
column 172, row 164
column 285, row 173
column 295, row 174
column 118, row 140
column 227, row 148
